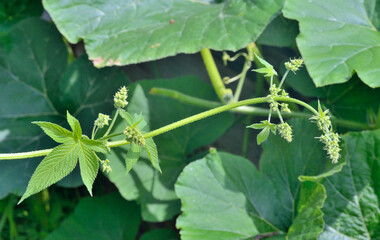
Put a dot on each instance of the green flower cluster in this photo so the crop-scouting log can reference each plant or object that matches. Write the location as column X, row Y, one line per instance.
column 285, row 131
column 133, row 135
column 294, row 64
column 120, row 98
column 105, row 166
column 102, row 120
column 329, row 138
column 275, row 92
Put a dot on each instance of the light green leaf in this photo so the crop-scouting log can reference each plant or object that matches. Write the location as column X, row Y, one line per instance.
column 56, row 132
column 132, row 156
column 89, row 165
column 263, row 135
column 151, row 149
column 222, row 187
column 308, row 224
column 126, row 116
column 96, row 145
column 139, row 121
column 75, row 126
column 101, row 218
column 352, row 208
column 56, row 165
column 338, row 40
column 119, row 34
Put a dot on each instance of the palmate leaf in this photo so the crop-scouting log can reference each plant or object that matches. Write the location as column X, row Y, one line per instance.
column 55, row 166
column 119, row 33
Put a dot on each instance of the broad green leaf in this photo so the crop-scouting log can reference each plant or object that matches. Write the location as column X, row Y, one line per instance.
column 338, row 40
column 352, row 208
column 126, row 116
column 29, row 71
column 56, row 165
column 89, row 165
column 75, row 126
column 101, row 218
column 308, row 224
column 95, row 145
column 153, row 190
column 151, row 149
column 281, row 32
column 119, row 34
column 222, row 187
column 263, row 135
column 56, row 132
column 87, row 91
column 160, row 233
column 132, row 156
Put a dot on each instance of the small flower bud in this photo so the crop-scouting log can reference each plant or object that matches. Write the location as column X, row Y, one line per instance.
column 102, row 120
column 285, row 131
column 134, row 135
column 285, row 108
column 105, row 166
column 294, row 64
column 120, row 98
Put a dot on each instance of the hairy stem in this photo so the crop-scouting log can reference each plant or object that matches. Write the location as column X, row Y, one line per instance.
column 239, row 87
column 214, row 75
column 180, row 123
column 112, row 123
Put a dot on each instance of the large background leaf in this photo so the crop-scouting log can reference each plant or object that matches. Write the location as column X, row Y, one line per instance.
column 103, row 218
column 119, row 33
column 223, row 187
column 153, row 190
column 25, row 90
column 338, row 38
column 213, row 190
column 352, row 208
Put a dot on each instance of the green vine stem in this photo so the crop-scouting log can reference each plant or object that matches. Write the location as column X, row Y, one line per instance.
column 180, row 123
column 247, row 109
column 224, row 94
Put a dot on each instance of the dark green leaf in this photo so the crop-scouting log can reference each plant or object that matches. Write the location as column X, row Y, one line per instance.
column 308, row 224
column 96, row 145
column 56, row 165
column 56, row 132
column 331, row 51
column 281, row 32
column 155, row 191
column 113, row 32
column 100, row 218
column 75, row 126
column 132, row 156
column 126, row 116
column 285, row 163
column 89, row 165
column 352, row 207
column 263, row 135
